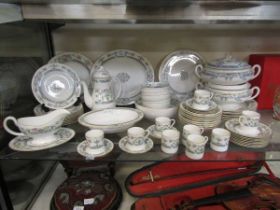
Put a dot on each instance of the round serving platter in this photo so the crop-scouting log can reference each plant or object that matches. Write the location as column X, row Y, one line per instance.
column 132, row 70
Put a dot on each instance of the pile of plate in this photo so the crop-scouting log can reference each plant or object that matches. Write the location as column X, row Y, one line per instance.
column 207, row 119
column 259, row 140
column 248, row 105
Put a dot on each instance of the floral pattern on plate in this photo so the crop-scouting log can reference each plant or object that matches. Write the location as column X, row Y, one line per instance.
column 148, row 146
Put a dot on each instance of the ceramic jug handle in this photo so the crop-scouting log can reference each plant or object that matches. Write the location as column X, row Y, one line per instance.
column 198, row 70
column 257, row 92
column 172, row 123
column 147, row 133
column 117, row 83
column 257, row 70
column 241, row 118
column 5, row 123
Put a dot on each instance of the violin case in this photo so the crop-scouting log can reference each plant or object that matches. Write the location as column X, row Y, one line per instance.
column 181, row 183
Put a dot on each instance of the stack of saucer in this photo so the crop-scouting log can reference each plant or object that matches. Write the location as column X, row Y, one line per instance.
column 156, row 101
column 207, row 116
column 247, row 131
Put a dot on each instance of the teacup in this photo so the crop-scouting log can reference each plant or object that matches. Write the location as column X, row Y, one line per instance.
column 195, row 146
column 95, row 141
column 190, row 129
column 170, row 141
column 220, row 139
column 136, row 138
column 163, row 123
column 249, row 121
column 201, row 99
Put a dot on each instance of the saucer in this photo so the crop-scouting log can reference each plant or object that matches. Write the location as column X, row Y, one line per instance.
column 247, row 131
column 154, row 133
column 264, row 130
column 81, row 149
column 212, row 105
column 148, row 146
column 22, row 143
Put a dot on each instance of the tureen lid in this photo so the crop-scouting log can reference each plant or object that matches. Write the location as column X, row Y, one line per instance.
column 228, row 62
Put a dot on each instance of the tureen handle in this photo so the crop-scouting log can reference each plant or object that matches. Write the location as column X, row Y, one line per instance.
column 257, row 70
column 8, row 129
column 199, row 85
column 257, row 92
column 198, row 70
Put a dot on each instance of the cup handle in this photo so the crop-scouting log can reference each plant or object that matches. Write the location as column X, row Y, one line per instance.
column 257, row 70
column 147, row 133
column 201, row 130
column 5, row 124
column 211, row 95
column 241, row 118
column 257, row 92
column 173, row 121
column 198, row 70
column 199, row 85
column 206, row 138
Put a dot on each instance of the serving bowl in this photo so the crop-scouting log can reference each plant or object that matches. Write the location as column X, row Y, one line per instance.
column 155, row 88
column 113, row 120
column 234, row 96
column 153, row 113
column 157, row 104
column 244, row 86
column 227, row 71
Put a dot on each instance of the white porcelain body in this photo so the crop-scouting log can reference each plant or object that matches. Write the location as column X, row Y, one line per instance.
column 136, row 138
column 244, row 86
column 226, row 76
column 234, row 96
column 153, row 88
column 157, row 104
column 249, row 122
column 40, row 128
column 113, row 120
column 195, row 146
column 95, row 141
column 201, row 99
column 152, row 113
column 155, row 98
column 170, row 141
column 220, row 139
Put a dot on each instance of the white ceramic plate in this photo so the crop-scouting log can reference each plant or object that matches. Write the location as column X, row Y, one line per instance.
column 112, row 120
column 20, row 143
column 78, row 62
column 148, row 146
column 264, row 131
column 81, row 149
column 177, row 69
column 212, row 105
column 56, row 86
column 131, row 69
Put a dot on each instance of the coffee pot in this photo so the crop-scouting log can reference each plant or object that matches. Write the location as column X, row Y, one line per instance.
column 103, row 95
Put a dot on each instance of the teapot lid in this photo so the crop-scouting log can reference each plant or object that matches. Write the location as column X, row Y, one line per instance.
column 228, row 62
column 101, row 73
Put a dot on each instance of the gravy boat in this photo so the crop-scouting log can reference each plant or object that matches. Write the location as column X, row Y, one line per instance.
column 40, row 128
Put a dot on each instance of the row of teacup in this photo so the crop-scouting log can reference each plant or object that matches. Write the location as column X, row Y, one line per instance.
column 195, row 142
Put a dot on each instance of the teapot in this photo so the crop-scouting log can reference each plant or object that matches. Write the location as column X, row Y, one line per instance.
column 103, row 94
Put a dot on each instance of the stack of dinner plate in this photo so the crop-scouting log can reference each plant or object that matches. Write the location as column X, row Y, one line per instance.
column 207, row 119
column 255, row 141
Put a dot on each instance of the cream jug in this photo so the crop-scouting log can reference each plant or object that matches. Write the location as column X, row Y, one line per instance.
column 103, row 95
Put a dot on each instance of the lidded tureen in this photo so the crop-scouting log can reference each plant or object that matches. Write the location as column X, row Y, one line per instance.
column 227, row 71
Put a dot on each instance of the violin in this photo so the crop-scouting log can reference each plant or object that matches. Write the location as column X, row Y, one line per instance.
column 258, row 194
